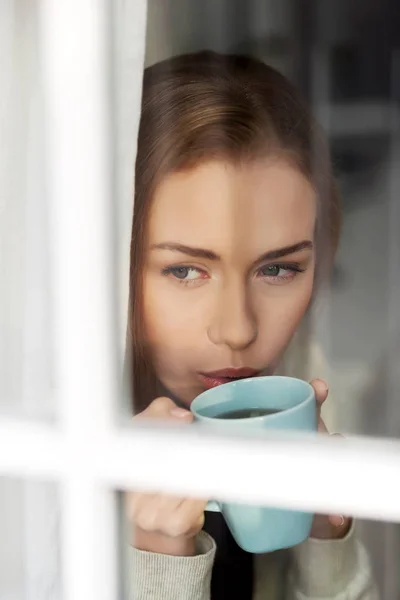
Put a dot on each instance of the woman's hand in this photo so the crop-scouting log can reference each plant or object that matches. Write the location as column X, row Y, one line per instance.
column 165, row 524
column 332, row 526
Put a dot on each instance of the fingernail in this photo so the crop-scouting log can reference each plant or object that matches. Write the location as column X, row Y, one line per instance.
column 178, row 412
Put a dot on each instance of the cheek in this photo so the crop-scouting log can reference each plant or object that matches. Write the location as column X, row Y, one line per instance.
column 280, row 315
column 158, row 321
column 174, row 336
column 171, row 322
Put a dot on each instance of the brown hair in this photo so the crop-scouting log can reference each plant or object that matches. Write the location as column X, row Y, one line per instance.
column 204, row 106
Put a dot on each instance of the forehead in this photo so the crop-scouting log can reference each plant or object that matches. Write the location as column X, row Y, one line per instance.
column 223, row 207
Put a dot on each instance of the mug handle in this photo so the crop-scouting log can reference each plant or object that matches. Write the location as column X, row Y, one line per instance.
column 213, row 506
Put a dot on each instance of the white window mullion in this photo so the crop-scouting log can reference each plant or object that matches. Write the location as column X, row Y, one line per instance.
column 76, row 44
column 89, row 544
column 318, row 474
column 75, row 38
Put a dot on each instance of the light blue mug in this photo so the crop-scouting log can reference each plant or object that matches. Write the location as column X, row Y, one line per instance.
column 284, row 403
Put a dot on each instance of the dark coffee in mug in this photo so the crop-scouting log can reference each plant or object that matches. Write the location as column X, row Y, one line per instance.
column 247, row 413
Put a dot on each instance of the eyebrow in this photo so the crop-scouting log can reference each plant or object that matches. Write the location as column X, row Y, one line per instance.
column 210, row 255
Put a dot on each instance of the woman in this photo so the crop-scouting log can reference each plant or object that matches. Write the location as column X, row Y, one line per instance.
column 236, row 222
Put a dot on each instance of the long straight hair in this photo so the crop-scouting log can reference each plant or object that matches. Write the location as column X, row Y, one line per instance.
column 208, row 106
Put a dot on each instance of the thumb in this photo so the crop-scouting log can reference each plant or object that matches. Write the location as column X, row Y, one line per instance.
column 165, row 409
column 181, row 414
column 321, row 390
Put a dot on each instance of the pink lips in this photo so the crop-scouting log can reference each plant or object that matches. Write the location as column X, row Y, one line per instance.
column 216, row 378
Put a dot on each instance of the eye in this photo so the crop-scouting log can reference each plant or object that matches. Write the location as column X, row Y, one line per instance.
column 271, row 270
column 280, row 273
column 186, row 275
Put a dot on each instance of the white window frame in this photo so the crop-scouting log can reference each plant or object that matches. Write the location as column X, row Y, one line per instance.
column 87, row 452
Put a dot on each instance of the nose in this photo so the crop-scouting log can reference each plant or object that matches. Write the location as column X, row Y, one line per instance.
column 233, row 323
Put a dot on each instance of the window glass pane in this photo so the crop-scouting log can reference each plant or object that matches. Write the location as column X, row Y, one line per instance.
column 26, row 364
column 30, row 540
column 198, row 313
column 195, row 318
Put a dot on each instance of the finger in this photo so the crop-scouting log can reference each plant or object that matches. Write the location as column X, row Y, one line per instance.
column 141, row 510
column 321, row 426
column 181, row 414
column 187, row 519
column 165, row 409
column 171, row 516
column 167, row 504
column 157, row 409
column 160, row 502
column 339, row 521
column 197, row 508
column 153, row 512
column 321, row 390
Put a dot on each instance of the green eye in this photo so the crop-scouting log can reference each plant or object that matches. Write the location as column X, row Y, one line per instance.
column 271, row 270
column 280, row 273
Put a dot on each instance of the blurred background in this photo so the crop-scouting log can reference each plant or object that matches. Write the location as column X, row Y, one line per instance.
column 345, row 57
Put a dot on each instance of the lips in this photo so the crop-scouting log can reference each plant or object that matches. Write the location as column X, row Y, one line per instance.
column 215, row 378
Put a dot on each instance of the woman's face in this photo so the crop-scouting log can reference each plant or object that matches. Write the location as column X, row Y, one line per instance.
column 228, row 272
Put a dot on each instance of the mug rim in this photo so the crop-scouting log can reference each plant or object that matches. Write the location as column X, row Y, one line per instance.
column 301, row 405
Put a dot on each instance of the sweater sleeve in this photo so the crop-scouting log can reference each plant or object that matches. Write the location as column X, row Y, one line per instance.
column 162, row 577
column 334, row 569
